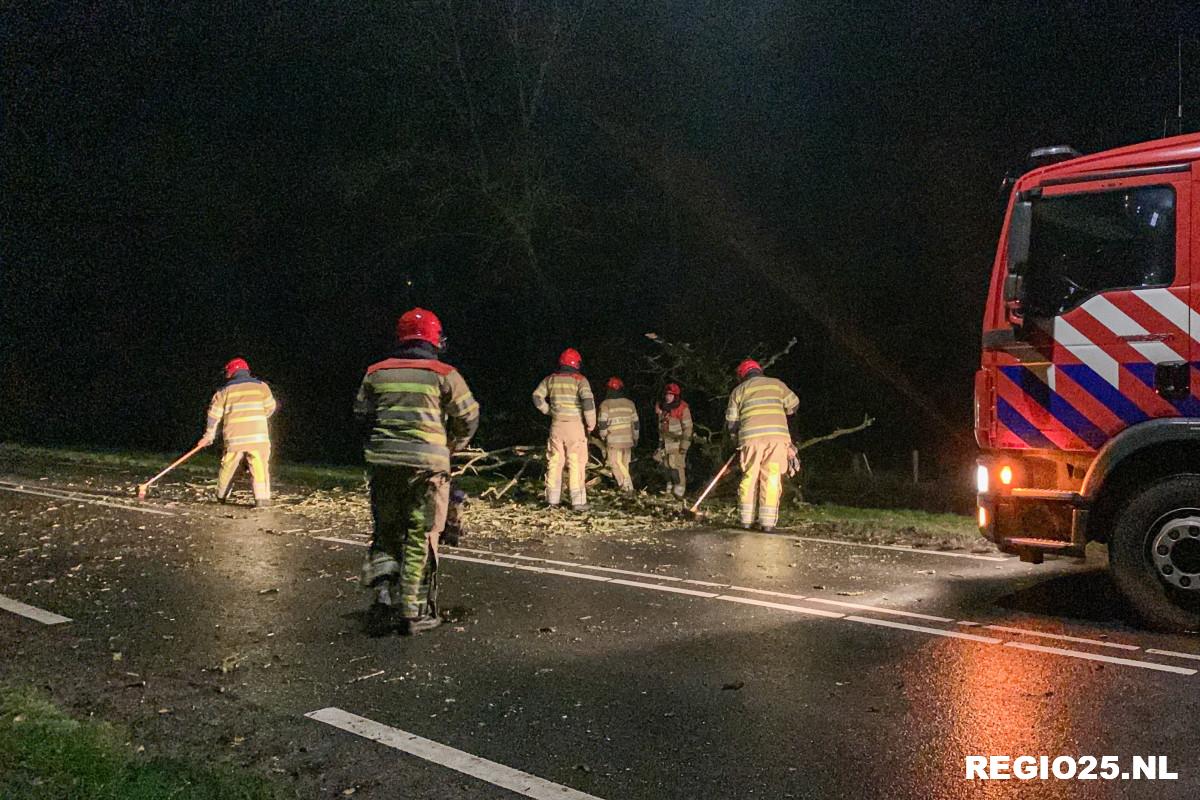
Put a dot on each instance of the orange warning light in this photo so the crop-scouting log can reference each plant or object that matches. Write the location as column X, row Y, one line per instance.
column 1006, row 475
column 982, row 517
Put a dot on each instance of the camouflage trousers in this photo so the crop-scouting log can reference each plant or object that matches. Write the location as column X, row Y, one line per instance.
column 409, row 507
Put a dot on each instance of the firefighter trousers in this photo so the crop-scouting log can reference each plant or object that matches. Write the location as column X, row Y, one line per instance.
column 676, row 465
column 764, row 463
column 408, row 506
column 258, row 457
column 618, row 462
column 567, row 447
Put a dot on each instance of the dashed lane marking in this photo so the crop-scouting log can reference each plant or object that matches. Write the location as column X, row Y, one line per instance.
column 496, row 774
column 795, row 609
column 1175, row 653
column 37, row 614
column 1128, row 662
column 1062, row 637
column 80, row 497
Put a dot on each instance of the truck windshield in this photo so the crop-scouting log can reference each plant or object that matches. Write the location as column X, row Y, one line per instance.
column 1085, row 243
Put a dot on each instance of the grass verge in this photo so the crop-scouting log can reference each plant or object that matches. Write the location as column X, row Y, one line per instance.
column 47, row 755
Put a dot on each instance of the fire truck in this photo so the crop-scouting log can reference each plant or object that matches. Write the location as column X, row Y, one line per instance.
column 1087, row 402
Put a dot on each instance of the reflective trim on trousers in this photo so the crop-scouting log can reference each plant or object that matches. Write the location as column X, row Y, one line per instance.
column 258, row 461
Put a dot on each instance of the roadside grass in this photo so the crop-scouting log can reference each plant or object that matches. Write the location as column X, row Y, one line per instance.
column 47, row 755
column 949, row 524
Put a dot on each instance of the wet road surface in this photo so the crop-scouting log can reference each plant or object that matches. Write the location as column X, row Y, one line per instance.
column 692, row 664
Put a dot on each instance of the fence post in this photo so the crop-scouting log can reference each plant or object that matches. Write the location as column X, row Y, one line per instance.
column 916, row 465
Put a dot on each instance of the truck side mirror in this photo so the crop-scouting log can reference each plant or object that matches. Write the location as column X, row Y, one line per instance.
column 1020, row 224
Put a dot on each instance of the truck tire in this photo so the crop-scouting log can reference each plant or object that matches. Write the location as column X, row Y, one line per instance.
column 1154, row 553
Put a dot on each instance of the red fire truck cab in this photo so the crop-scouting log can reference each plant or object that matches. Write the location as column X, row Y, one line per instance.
column 1087, row 402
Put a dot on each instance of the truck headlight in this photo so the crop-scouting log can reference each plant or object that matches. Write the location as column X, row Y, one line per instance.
column 981, row 479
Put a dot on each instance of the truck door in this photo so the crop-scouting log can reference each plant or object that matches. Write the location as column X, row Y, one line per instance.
column 1108, row 294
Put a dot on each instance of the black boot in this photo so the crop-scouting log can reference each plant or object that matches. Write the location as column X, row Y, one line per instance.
column 414, row 625
column 381, row 616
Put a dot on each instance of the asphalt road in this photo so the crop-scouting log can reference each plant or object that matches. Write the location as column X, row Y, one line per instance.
column 695, row 664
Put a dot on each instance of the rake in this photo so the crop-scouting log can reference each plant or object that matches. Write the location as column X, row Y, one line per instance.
column 695, row 509
column 143, row 488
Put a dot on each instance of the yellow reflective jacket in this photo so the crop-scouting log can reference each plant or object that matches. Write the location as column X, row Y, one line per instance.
column 618, row 423
column 759, row 407
column 566, row 397
column 418, row 410
column 241, row 408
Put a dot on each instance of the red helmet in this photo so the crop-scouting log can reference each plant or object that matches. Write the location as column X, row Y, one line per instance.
column 673, row 388
column 746, row 367
column 235, row 366
column 616, row 383
column 419, row 324
column 570, row 358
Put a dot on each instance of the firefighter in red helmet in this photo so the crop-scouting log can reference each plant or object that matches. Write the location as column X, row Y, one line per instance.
column 415, row 411
column 675, row 437
column 619, row 429
column 757, row 415
column 566, row 397
column 241, row 409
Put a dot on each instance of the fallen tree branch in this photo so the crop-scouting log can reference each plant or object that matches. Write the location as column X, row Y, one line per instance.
column 866, row 423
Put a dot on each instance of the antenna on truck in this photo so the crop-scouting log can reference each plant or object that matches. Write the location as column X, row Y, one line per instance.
column 1179, row 82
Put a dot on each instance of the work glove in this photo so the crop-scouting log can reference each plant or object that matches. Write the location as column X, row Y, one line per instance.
column 205, row 441
column 793, row 461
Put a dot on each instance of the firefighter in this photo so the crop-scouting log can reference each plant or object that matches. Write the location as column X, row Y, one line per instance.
column 675, row 437
column 566, row 397
column 619, row 429
column 415, row 411
column 757, row 416
column 241, row 408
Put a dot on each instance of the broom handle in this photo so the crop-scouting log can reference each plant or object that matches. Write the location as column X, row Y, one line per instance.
column 720, row 474
column 176, row 463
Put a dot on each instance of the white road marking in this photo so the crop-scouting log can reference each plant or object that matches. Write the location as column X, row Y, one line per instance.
column 613, row 570
column 876, row 609
column 80, row 498
column 673, row 589
column 1128, row 662
column 1062, row 637
column 336, row 540
column 887, row 623
column 1157, row 652
column 37, row 614
column 750, row 601
column 496, row 774
column 903, row 549
column 949, row 633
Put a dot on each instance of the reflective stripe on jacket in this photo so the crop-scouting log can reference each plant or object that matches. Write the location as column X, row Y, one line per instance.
column 759, row 406
column 618, row 423
column 418, row 411
column 241, row 408
column 566, row 397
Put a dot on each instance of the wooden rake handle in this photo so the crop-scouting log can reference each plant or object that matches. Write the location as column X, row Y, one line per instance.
column 711, row 484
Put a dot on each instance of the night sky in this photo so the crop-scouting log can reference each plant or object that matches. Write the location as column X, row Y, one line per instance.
column 187, row 182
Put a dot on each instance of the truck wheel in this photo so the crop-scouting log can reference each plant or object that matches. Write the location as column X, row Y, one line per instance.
column 1154, row 553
